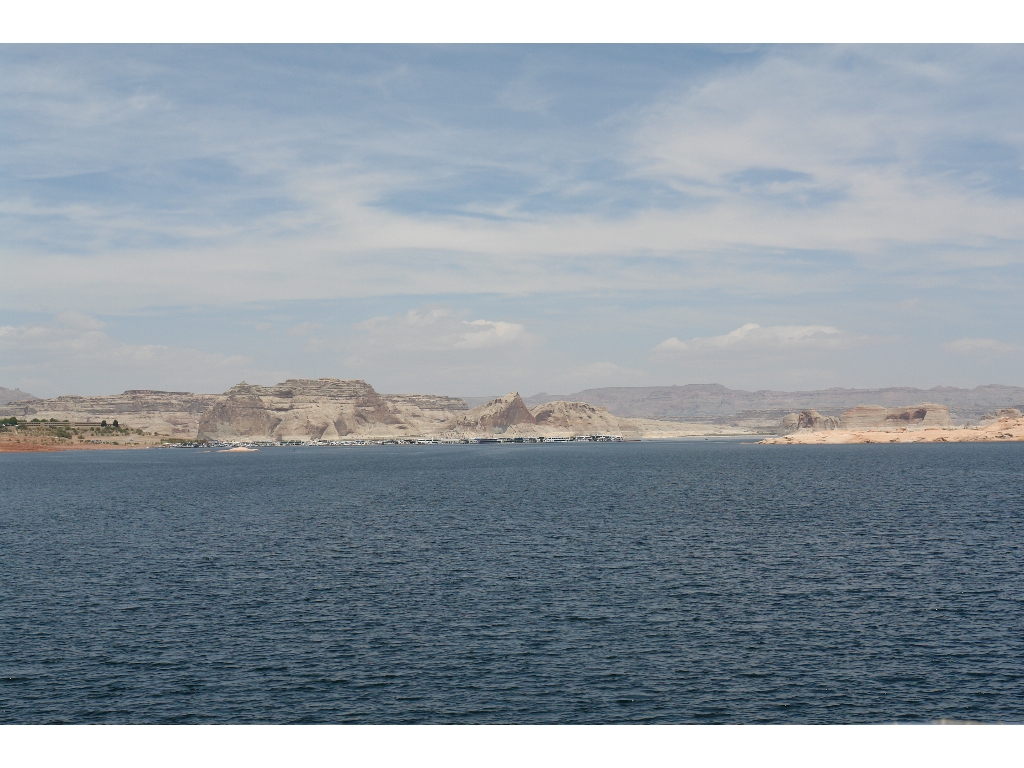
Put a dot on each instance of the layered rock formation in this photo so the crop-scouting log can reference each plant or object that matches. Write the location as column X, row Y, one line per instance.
column 694, row 402
column 582, row 417
column 495, row 416
column 809, row 419
column 870, row 417
column 877, row 417
column 175, row 414
column 321, row 409
column 332, row 409
column 1006, row 413
column 509, row 416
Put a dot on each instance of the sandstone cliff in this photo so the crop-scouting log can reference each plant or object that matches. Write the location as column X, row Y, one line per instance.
column 870, row 417
column 321, row 409
column 877, row 417
column 494, row 417
column 333, row 409
column 509, row 416
column 175, row 414
column 809, row 419
column 583, row 419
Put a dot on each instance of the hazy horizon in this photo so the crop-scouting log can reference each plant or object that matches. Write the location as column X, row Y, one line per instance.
column 527, row 395
column 457, row 219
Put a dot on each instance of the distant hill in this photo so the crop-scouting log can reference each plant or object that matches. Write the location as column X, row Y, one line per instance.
column 715, row 401
column 14, row 395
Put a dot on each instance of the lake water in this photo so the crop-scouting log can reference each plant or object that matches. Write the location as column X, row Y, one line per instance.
column 673, row 582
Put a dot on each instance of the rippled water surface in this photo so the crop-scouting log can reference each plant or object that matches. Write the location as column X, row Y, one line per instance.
column 655, row 582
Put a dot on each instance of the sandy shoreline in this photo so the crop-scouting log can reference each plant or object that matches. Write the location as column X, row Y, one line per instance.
column 51, row 445
column 1002, row 431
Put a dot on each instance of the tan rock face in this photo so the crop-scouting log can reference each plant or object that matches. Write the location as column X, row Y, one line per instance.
column 176, row 414
column 495, row 416
column 427, row 403
column 332, row 409
column 238, row 415
column 681, row 403
column 876, row 417
column 315, row 409
column 581, row 419
column 565, row 415
column 809, row 419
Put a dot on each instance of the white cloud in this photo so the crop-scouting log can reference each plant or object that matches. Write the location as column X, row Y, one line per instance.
column 969, row 346
column 816, row 148
column 78, row 320
column 486, row 334
column 440, row 330
column 839, row 148
column 433, row 349
column 752, row 337
column 302, row 329
column 41, row 357
column 847, row 176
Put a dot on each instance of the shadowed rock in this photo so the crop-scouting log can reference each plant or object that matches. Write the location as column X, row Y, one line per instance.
column 495, row 416
column 877, row 417
column 320, row 409
column 579, row 417
column 809, row 420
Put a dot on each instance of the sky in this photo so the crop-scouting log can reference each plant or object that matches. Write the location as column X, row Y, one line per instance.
column 471, row 220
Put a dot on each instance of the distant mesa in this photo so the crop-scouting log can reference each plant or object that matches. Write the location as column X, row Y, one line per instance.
column 767, row 407
column 869, row 417
column 14, row 396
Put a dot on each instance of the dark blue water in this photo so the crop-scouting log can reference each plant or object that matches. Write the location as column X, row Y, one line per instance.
column 688, row 582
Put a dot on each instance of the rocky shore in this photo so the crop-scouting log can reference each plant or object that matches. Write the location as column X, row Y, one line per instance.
column 1005, row 429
